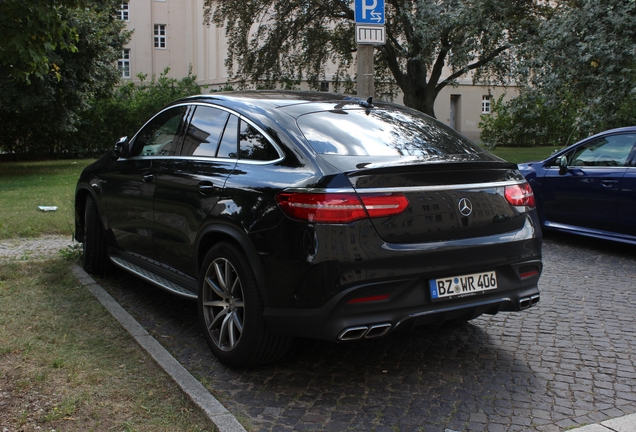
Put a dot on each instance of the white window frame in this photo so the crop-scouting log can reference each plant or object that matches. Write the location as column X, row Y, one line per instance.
column 486, row 104
column 124, row 12
column 123, row 64
column 161, row 36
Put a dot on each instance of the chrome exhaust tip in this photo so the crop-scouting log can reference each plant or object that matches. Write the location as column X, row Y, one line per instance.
column 367, row 332
column 527, row 302
column 524, row 303
column 353, row 333
column 377, row 330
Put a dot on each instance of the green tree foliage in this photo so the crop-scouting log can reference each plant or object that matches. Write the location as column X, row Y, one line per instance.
column 271, row 41
column 30, row 31
column 579, row 71
column 529, row 120
column 128, row 108
column 589, row 48
column 41, row 110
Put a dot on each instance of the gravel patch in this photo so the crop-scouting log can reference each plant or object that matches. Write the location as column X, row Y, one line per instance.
column 22, row 249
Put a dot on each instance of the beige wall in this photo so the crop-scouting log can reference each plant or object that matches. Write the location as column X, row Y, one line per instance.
column 468, row 110
column 190, row 42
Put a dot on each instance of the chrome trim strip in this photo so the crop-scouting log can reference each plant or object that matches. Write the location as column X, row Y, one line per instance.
column 320, row 190
column 152, row 278
column 467, row 186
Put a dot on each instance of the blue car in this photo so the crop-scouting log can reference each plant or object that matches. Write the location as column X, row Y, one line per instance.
column 589, row 188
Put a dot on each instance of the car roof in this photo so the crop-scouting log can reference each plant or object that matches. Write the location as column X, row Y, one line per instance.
column 301, row 102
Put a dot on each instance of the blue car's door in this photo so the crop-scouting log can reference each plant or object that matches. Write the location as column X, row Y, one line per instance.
column 586, row 195
column 627, row 202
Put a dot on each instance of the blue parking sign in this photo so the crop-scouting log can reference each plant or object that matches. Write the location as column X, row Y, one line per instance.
column 369, row 12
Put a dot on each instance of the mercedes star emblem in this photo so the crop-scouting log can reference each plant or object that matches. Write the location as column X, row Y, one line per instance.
column 465, row 207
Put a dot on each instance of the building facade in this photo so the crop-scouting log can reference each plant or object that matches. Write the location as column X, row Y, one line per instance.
column 171, row 34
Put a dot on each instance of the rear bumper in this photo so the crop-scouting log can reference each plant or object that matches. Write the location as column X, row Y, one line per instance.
column 408, row 306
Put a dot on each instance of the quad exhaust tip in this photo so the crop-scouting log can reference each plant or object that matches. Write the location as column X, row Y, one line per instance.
column 527, row 302
column 366, row 332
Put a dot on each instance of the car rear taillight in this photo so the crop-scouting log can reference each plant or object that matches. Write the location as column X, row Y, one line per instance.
column 340, row 207
column 520, row 195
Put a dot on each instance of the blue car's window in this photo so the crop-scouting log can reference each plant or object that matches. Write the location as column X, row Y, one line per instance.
column 384, row 132
column 609, row 151
column 204, row 131
column 160, row 135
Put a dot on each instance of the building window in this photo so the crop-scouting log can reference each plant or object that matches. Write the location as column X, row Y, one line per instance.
column 123, row 64
column 123, row 13
column 485, row 104
column 160, row 36
column 324, row 86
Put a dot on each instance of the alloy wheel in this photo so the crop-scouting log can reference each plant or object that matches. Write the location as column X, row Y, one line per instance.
column 223, row 304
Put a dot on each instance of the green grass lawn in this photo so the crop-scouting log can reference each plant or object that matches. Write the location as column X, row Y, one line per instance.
column 524, row 154
column 26, row 185
column 67, row 365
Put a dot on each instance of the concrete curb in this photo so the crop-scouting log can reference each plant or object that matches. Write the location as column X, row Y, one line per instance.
column 200, row 396
column 622, row 424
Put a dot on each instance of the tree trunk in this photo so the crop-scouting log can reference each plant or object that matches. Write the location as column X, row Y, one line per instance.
column 421, row 98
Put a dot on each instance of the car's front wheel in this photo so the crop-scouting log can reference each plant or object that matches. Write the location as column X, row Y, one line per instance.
column 231, row 311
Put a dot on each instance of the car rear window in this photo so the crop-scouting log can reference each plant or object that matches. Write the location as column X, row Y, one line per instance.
column 384, row 132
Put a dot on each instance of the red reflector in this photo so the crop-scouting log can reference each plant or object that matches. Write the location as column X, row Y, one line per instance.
column 528, row 274
column 520, row 195
column 339, row 207
column 369, row 299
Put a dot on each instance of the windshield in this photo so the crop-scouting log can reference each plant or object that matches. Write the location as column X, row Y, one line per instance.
column 385, row 132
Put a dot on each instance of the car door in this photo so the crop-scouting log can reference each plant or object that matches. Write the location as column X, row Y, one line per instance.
column 627, row 200
column 129, row 187
column 586, row 194
column 189, row 186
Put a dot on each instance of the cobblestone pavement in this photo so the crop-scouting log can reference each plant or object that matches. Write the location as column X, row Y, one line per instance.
column 569, row 361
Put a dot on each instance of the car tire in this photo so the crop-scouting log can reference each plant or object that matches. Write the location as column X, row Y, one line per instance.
column 95, row 258
column 231, row 311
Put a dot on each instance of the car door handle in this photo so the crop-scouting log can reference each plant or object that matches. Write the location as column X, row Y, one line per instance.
column 608, row 183
column 205, row 187
column 147, row 178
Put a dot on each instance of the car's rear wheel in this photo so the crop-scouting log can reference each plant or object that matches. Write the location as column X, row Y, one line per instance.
column 94, row 259
column 231, row 311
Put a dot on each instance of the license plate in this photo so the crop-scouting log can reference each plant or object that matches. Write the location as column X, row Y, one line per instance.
column 462, row 285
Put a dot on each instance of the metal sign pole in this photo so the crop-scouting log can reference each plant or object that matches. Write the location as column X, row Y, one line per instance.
column 370, row 31
column 366, row 77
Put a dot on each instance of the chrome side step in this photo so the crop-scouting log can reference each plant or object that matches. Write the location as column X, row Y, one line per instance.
column 152, row 278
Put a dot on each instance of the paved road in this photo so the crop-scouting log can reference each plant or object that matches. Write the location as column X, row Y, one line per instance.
column 569, row 361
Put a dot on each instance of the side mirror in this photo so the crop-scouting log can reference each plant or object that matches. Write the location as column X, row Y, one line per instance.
column 562, row 161
column 121, row 149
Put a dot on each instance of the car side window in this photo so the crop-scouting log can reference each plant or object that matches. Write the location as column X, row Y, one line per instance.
column 160, row 136
column 610, row 151
column 254, row 146
column 204, row 131
column 229, row 142
column 241, row 139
